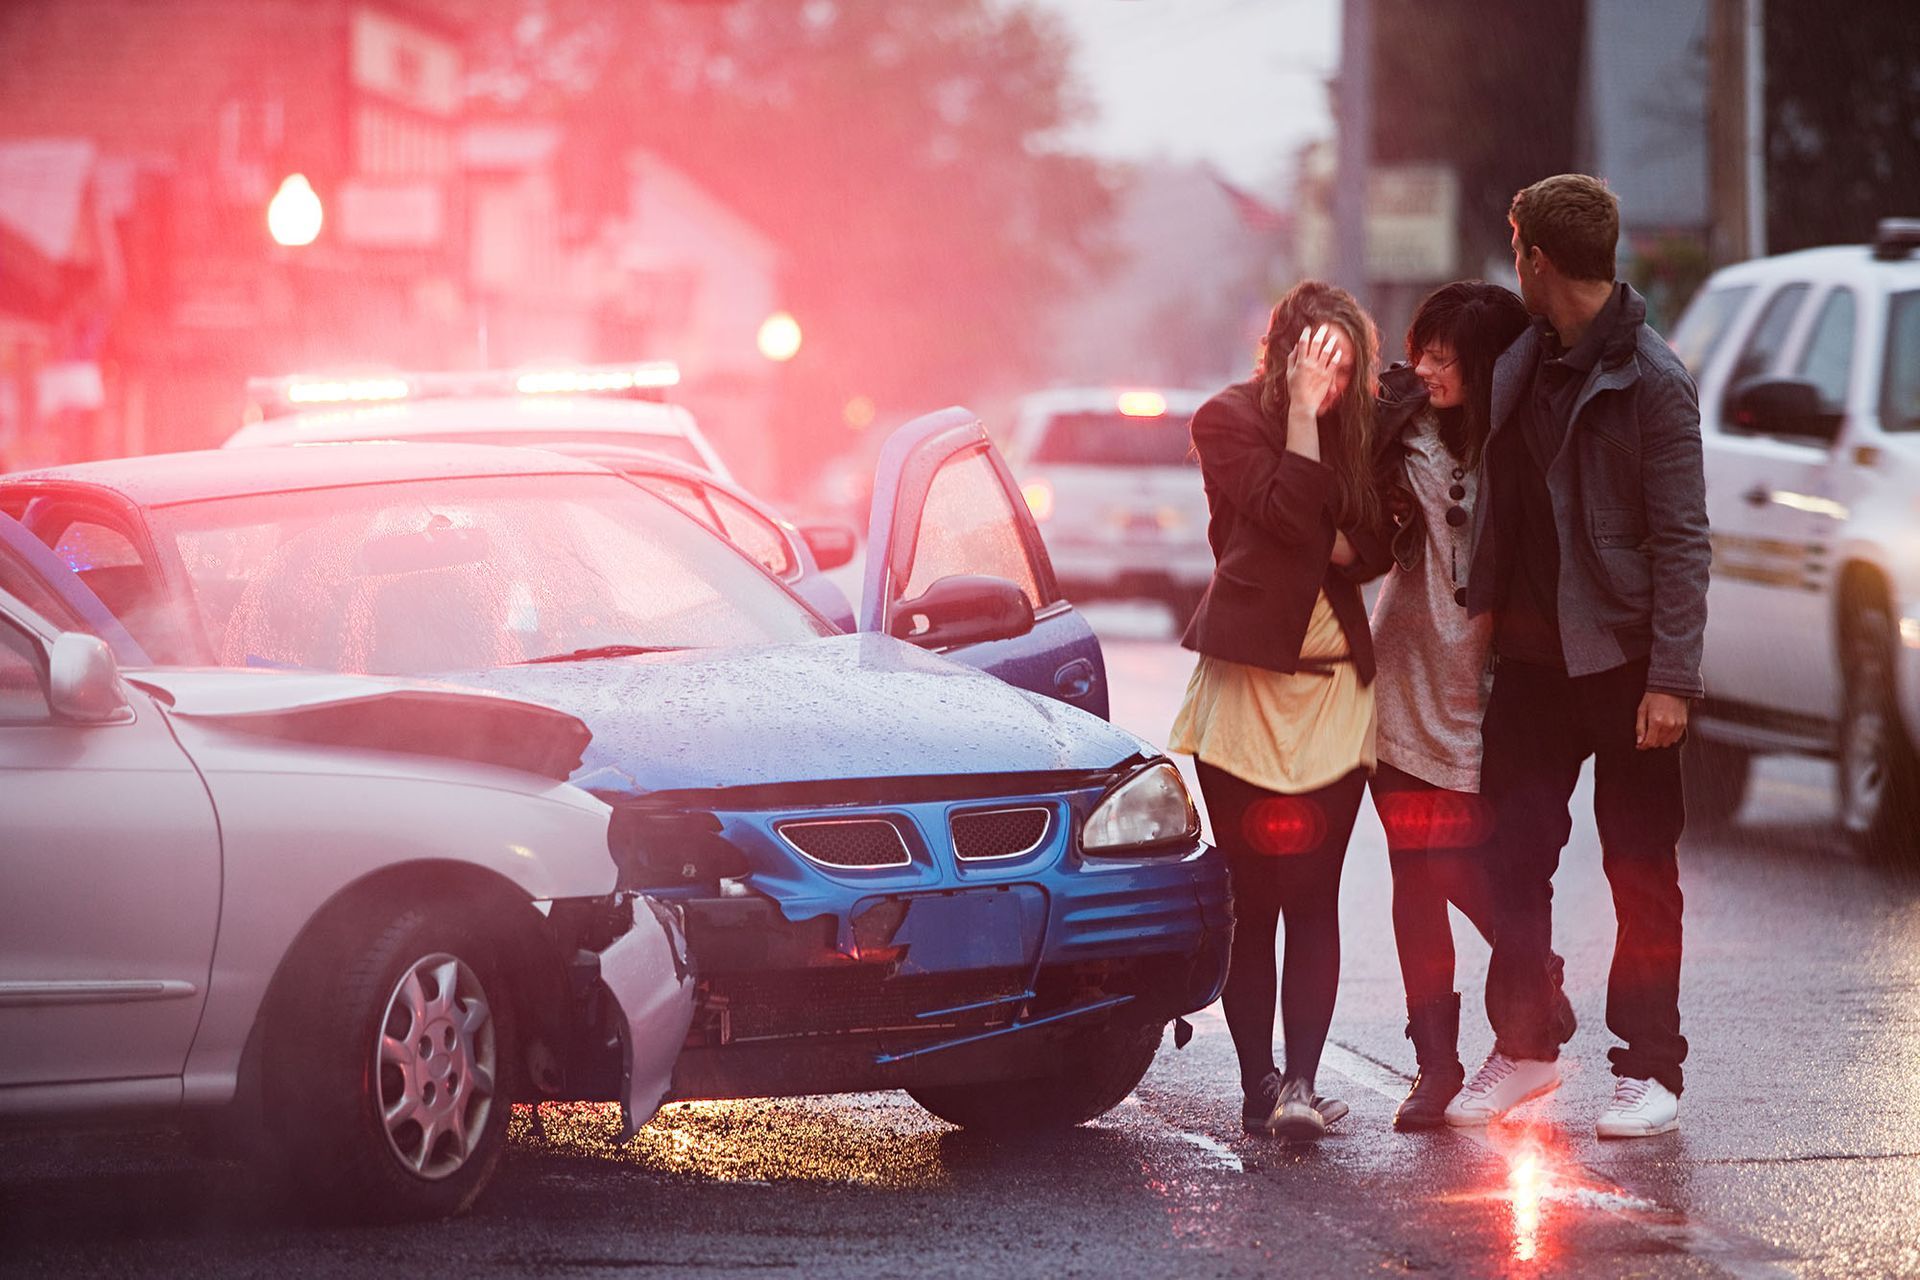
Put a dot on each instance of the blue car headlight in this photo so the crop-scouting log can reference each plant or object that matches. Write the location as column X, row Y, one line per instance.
column 1149, row 807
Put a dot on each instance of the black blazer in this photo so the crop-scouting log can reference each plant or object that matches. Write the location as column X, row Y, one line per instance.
column 1271, row 525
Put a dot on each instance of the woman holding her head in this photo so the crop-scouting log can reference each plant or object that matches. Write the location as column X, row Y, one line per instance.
column 1279, row 713
column 1433, row 678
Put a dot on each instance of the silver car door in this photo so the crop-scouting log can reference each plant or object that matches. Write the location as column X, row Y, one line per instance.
column 109, row 882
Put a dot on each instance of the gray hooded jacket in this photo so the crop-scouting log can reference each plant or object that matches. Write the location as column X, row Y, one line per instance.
column 1629, row 501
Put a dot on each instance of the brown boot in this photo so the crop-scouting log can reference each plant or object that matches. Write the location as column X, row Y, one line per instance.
column 1434, row 1028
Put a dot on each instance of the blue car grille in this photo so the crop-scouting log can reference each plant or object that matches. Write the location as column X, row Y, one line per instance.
column 857, row 843
column 987, row 834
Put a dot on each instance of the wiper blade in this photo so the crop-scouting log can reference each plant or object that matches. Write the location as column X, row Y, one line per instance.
column 601, row 651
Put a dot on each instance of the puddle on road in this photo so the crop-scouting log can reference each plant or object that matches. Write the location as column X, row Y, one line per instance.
column 894, row 1147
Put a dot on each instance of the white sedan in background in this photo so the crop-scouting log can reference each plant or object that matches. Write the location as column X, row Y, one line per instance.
column 356, row 917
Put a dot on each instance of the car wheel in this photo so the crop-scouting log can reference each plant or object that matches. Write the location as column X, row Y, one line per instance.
column 1090, row 1078
column 387, row 1085
column 1879, row 770
column 1715, row 777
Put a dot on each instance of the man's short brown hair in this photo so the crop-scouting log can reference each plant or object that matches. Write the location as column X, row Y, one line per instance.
column 1574, row 219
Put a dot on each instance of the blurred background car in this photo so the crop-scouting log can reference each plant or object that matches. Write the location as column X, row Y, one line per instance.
column 353, row 919
column 1808, row 366
column 914, row 857
column 616, row 405
column 1111, row 477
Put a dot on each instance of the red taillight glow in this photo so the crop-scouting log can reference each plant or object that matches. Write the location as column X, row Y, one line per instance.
column 1039, row 496
column 1142, row 404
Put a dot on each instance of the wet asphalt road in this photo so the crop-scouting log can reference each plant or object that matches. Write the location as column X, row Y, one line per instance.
column 1799, row 1152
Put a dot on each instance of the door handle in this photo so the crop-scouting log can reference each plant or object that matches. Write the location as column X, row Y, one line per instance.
column 1758, row 496
column 1075, row 680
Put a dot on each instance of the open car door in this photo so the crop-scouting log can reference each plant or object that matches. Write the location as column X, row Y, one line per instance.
column 955, row 564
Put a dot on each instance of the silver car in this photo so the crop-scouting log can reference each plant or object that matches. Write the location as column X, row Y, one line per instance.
column 357, row 918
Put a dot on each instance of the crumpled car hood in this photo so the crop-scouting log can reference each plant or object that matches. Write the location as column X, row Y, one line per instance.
column 376, row 713
column 858, row 706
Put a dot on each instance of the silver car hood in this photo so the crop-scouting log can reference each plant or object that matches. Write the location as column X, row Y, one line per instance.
column 415, row 717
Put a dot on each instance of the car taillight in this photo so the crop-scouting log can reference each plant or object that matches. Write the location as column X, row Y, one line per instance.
column 1039, row 496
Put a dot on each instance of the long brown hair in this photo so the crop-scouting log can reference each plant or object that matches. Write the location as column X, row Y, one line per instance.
column 1310, row 304
column 1479, row 321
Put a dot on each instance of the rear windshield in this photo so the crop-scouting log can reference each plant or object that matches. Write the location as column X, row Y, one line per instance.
column 1114, row 440
column 678, row 448
column 1900, row 388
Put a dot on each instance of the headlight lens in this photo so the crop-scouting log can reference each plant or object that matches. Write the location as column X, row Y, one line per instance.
column 1151, row 807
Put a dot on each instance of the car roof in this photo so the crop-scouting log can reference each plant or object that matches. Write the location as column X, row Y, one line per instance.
column 1852, row 263
column 556, row 414
column 157, row 480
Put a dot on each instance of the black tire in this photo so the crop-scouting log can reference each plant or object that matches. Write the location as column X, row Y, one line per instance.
column 1086, row 1078
column 1879, row 768
column 1715, row 776
column 327, row 1085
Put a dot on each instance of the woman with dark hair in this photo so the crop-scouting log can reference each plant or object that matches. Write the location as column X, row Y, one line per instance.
column 1279, row 713
column 1433, row 677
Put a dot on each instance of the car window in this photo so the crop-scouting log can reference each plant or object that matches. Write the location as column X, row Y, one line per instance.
column 688, row 497
column 969, row 525
column 1115, row 440
column 1762, row 349
column 1900, row 384
column 25, row 586
column 1829, row 355
column 675, row 448
column 1704, row 327
column 110, row 566
column 23, row 695
column 754, row 534
column 425, row 577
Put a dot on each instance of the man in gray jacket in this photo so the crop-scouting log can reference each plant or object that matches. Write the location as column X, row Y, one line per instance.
column 1590, row 549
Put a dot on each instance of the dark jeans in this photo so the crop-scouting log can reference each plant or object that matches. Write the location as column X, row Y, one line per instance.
column 1284, row 855
column 1541, row 724
column 1435, row 841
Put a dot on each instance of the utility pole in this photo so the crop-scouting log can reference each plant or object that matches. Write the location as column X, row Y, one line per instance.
column 1735, row 132
column 1355, row 147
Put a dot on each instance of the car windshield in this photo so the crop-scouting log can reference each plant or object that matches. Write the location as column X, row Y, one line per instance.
column 1115, row 440
column 449, row 575
column 1900, row 388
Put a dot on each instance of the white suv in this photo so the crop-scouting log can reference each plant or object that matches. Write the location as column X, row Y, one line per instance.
column 1111, row 477
column 1808, row 366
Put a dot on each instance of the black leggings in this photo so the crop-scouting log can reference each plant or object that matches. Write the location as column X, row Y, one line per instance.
column 1284, row 853
column 1435, row 841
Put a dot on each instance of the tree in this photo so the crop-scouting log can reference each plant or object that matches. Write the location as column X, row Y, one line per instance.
column 1843, row 119
column 900, row 152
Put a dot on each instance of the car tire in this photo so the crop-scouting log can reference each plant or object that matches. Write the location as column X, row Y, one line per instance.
column 388, row 1066
column 1879, row 768
column 1715, row 777
column 1091, row 1076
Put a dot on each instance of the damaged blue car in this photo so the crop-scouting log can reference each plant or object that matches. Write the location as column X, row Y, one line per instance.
column 915, row 856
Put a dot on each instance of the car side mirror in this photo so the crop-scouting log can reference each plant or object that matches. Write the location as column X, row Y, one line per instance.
column 963, row 608
column 83, row 680
column 1782, row 407
column 832, row 544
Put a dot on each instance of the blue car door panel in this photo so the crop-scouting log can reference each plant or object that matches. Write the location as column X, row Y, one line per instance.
column 945, row 505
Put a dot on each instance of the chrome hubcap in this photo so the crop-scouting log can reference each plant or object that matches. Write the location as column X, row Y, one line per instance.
column 436, row 1066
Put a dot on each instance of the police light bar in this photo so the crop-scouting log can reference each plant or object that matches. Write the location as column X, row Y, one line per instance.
column 598, row 379
column 1142, row 404
column 273, row 397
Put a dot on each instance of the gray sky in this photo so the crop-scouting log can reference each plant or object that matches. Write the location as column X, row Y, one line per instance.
column 1237, row 82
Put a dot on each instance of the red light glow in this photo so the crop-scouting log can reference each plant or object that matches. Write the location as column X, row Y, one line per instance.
column 1434, row 820
column 1283, row 825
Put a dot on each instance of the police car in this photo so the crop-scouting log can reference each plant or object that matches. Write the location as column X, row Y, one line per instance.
column 1808, row 366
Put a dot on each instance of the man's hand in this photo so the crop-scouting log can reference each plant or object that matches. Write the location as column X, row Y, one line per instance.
column 1661, row 721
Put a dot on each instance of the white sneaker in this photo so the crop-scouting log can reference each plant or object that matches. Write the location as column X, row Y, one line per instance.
column 1501, row 1084
column 1640, row 1109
